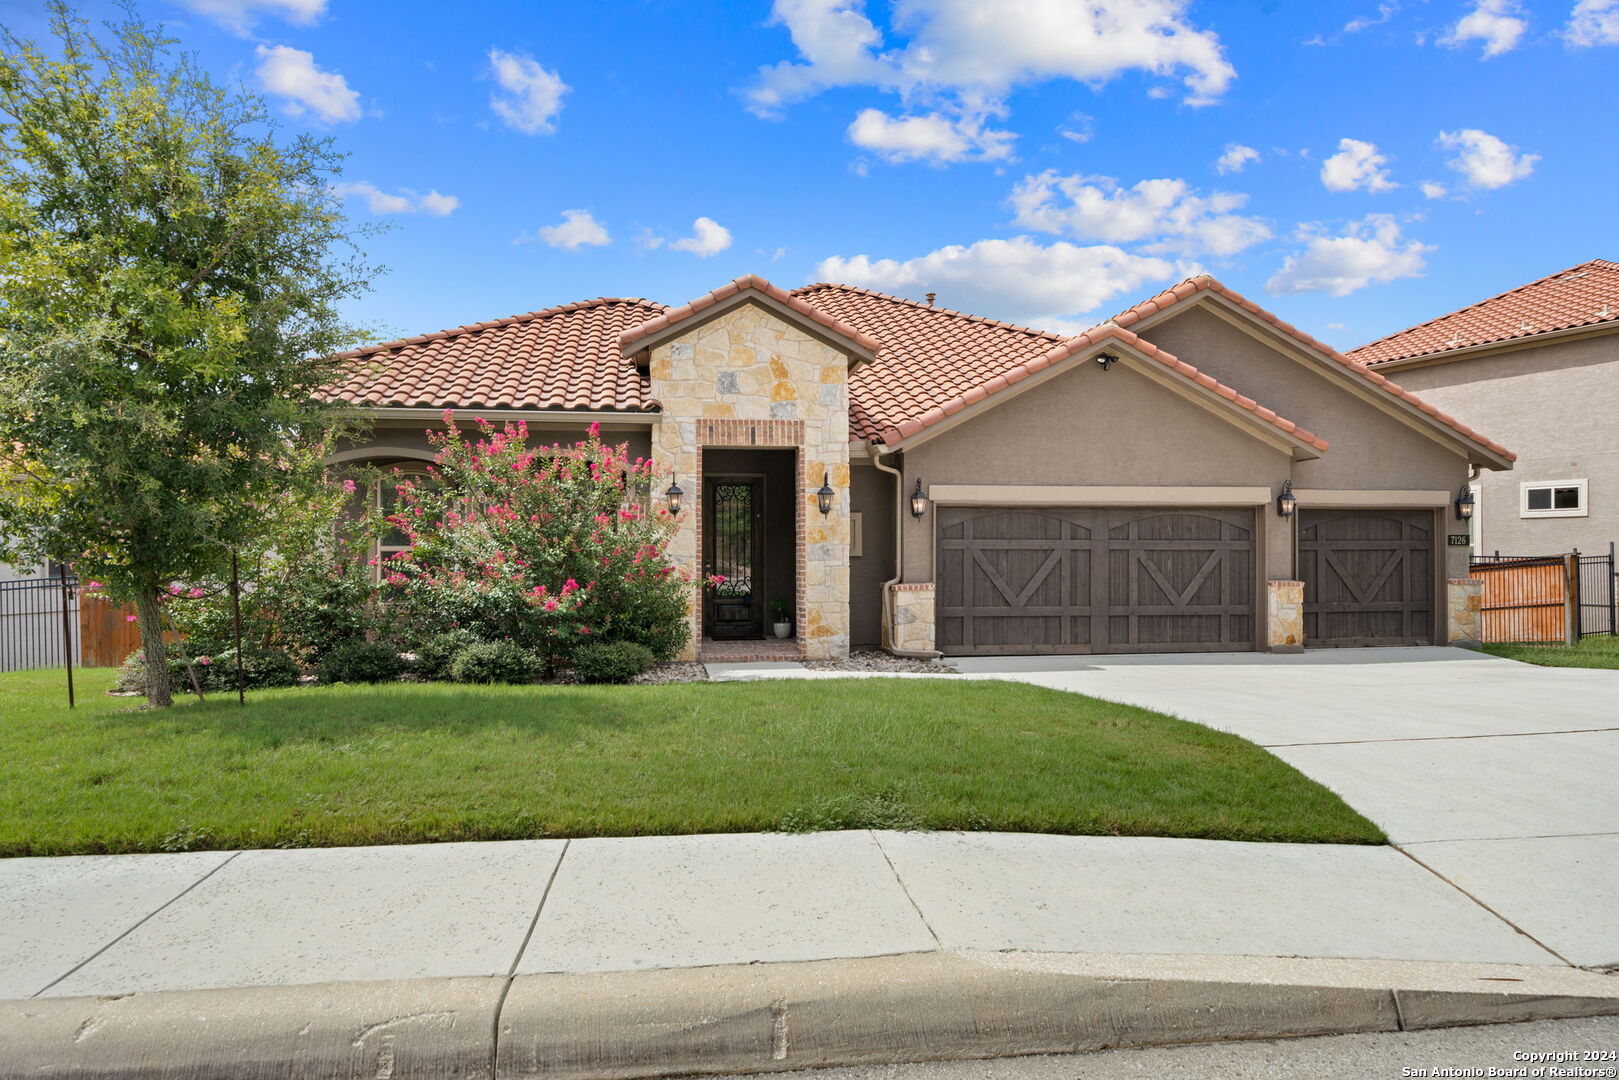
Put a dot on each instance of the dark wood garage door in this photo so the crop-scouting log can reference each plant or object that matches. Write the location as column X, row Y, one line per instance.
column 1368, row 576
column 1088, row 580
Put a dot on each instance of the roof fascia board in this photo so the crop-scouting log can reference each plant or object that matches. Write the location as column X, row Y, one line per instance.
column 1264, row 432
column 857, row 353
column 560, row 417
column 1295, row 350
column 1490, row 348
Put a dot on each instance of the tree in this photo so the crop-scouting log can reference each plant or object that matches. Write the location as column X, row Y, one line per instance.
column 170, row 270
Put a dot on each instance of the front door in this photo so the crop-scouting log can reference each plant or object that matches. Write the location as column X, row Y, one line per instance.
column 733, row 510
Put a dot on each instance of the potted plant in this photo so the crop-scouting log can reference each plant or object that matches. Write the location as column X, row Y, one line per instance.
column 784, row 623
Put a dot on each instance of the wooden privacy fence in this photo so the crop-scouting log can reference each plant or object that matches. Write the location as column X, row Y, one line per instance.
column 106, row 634
column 1547, row 598
column 99, row 633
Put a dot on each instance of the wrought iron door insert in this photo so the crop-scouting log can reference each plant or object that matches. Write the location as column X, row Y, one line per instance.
column 733, row 540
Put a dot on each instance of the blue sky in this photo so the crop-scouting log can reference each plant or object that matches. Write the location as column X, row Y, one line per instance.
column 1042, row 161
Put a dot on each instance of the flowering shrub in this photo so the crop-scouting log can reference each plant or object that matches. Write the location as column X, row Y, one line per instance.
column 548, row 547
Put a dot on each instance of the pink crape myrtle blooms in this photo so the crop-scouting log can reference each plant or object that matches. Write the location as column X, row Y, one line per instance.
column 547, row 546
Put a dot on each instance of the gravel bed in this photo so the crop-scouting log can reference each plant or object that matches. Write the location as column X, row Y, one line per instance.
column 673, row 673
column 877, row 660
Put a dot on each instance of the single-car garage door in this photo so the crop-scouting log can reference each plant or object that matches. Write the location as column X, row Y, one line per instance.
column 1075, row 580
column 1368, row 576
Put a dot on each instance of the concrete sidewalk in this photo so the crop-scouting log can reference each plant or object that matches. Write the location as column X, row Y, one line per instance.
column 109, row 925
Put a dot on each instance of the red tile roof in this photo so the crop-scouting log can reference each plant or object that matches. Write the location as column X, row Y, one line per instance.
column 558, row 358
column 930, row 355
column 1583, row 295
column 929, row 362
column 675, row 316
column 1203, row 283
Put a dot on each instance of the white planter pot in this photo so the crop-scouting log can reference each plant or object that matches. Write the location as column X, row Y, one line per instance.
column 783, row 629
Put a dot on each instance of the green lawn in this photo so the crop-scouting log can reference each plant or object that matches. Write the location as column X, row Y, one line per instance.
column 404, row 763
column 1591, row 652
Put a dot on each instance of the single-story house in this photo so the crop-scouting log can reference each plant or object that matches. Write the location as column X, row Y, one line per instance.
column 1539, row 366
column 1191, row 475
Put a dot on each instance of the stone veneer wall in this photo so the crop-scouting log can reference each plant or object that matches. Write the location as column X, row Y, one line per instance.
column 913, row 612
column 749, row 378
column 1284, row 616
column 1465, row 607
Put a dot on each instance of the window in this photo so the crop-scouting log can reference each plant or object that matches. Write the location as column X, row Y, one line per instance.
column 856, row 537
column 1552, row 498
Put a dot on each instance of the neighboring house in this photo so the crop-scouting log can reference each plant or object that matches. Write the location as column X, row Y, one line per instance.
column 988, row 488
column 1539, row 368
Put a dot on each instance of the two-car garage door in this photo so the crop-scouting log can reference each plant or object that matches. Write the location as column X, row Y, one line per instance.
column 1083, row 580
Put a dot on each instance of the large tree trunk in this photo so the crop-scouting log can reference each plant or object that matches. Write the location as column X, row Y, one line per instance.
column 150, row 618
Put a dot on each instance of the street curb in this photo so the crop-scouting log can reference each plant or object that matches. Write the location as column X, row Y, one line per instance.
column 766, row 1017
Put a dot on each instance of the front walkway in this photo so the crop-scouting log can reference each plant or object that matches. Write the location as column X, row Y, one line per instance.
column 123, row 924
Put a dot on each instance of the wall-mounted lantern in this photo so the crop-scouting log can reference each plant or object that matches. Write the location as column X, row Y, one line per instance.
column 824, row 497
column 1287, row 502
column 674, row 498
column 1464, row 503
column 919, row 501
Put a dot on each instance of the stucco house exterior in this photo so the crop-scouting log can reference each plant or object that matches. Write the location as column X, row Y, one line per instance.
column 1537, row 366
column 1193, row 474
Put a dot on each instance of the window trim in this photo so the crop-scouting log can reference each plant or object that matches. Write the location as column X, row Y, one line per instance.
column 1582, row 486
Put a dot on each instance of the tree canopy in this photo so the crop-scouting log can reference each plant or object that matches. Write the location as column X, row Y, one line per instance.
column 171, row 270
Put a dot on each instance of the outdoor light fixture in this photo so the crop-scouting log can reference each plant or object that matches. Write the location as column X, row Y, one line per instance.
column 919, row 501
column 1287, row 502
column 824, row 497
column 674, row 496
column 1464, row 503
column 1107, row 360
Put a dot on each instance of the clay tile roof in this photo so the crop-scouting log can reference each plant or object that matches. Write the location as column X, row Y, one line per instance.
column 558, row 358
column 1583, row 295
column 673, row 316
column 930, row 356
column 1203, row 283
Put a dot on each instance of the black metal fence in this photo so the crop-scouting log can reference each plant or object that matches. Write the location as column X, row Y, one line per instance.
column 1546, row 589
column 31, row 617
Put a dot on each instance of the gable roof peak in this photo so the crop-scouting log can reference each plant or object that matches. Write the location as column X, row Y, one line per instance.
column 865, row 347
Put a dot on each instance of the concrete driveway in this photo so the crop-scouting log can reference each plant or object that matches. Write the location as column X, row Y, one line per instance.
column 1498, row 776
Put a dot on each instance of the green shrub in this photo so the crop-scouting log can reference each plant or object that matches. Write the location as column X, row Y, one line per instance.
column 360, row 662
column 132, row 672
column 260, row 668
column 435, row 655
column 612, row 662
column 494, row 662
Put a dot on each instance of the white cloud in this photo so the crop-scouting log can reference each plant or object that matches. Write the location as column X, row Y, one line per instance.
column 404, row 202
column 1017, row 279
column 958, row 60
column 1356, row 165
column 1593, row 22
column 578, row 229
column 1236, row 156
column 240, row 15
column 1494, row 22
column 1433, row 189
column 530, row 96
column 1385, row 12
column 1485, row 160
column 708, row 237
column 934, row 137
column 292, row 74
column 1167, row 212
column 1369, row 252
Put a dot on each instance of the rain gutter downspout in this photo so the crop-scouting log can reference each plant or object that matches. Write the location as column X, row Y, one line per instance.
column 874, row 449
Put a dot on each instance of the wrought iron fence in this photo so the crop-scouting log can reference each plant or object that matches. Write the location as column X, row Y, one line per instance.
column 31, row 623
column 1548, row 597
